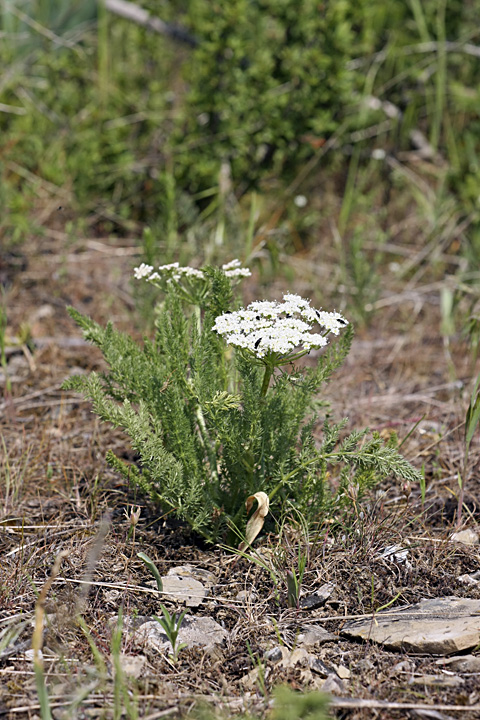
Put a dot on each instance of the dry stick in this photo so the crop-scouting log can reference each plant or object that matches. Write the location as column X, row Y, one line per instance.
column 130, row 11
column 355, row 703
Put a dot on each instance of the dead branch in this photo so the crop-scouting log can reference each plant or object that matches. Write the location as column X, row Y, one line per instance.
column 136, row 14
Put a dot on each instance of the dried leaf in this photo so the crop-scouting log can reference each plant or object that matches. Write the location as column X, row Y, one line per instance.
column 255, row 524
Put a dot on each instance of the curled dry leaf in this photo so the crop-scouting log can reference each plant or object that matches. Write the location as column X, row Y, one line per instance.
column 255, row 524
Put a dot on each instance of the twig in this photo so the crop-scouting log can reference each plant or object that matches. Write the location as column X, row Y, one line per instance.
column 130, row 11
column 363, row 703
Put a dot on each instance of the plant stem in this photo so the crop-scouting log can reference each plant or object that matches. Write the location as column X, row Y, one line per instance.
column 206, row 442
column 266, row 380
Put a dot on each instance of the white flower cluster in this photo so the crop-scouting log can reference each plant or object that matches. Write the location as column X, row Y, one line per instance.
column 171, row 271
column 278, row 328
column 175, row 272
column 233, row 269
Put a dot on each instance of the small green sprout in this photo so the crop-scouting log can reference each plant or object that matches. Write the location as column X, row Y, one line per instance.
column 171, row 624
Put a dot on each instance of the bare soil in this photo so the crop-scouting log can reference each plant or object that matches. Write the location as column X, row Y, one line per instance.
column 56, row 489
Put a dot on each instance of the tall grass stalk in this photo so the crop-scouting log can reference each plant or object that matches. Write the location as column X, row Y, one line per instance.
column 103, row 53
column 440, row 76
column 120, row 688
column 37, row 639
column 471, row 423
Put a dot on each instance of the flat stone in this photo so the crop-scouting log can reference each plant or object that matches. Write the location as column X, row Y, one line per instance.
column 343, row 672
column 466, row 537
column 438, row 626
column 274, row 655
column 470, row 579
column 184, row 588
column 299, row 656
column 312, row 635
column 318, row 598
column 320, row 668
column 333, row 685
column 445, row 681
column 464, row 663
column 204, row 576
column 193, row 631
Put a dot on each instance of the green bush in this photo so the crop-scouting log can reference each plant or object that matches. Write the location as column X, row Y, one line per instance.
column 265, row 76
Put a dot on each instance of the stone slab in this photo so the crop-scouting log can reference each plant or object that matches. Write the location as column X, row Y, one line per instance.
column 438, row 626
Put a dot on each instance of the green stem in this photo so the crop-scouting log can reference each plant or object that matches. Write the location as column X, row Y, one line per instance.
column 206, row 442
column 266, row 380
column 198, row 318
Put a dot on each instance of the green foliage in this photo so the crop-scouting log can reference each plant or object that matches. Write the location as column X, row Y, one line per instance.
column 153, row 569
column 205, row 436
column 291, row 705
column 82, row 110
column 171, row 625
column 264, row 76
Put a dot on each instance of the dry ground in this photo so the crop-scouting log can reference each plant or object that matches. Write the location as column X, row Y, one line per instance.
column 56, row 487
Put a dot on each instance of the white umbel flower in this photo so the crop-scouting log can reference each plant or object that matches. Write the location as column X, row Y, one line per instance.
column 278, row 329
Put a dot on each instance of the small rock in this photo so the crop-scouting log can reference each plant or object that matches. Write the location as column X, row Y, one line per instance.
column 132, row 665
column 185, row 589
column 320, row 668
column 464, row 663
column 395, row 553
column 204, row 576
column 299, row 656
column 246, row 596
column 274, row 655
column 318, row 598
column 193, row 631
column 333, row 685
column 466, row 537
column 343, row 672
column 472, row 579
column 404, row 666
column 313, row 634
column 30, row 654
column 446, row 681
column 438, row 626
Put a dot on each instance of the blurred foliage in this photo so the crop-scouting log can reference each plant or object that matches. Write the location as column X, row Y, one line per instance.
column 104, row 117
column 266, row 78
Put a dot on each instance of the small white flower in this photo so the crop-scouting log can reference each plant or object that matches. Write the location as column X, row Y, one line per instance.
column 233, row 269
column 142, row 271
column 191, row 272
column 300, row 201
column 379, row 154
column 171, row 266
column 232, row 264
column 238, row 272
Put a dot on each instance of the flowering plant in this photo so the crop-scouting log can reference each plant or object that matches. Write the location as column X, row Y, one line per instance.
column 217, row 408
